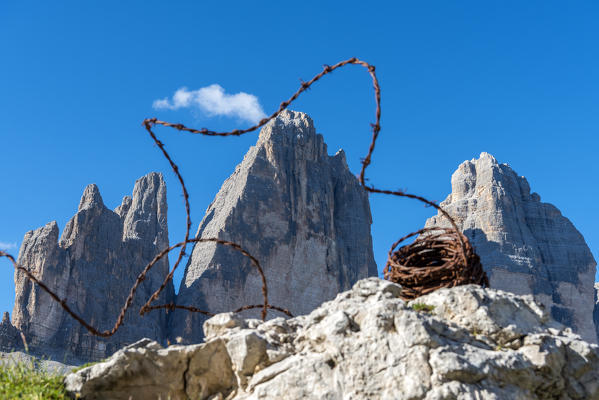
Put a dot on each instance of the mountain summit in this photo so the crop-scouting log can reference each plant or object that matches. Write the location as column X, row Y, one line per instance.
column 526, row 246
column 299, row 211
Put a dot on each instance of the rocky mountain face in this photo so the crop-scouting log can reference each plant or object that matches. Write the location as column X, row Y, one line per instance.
column 9, row 335
column 94, row 264
column 526, row 246
column 460, row 343
column 299, row 211
column 295, row 208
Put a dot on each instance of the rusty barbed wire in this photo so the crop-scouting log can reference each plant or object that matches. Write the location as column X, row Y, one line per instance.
column 173, row 306
column 461, row 238
column 150, row 122
column 141, row 277
column 465, row 249
column 233, row 245
column 327, row 69
column 391, row 269
column 434, row 260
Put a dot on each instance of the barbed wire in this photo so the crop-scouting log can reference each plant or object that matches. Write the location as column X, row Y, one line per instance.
column 148, row 124
column 327, row 69
column 434, row 260
column 141, row 277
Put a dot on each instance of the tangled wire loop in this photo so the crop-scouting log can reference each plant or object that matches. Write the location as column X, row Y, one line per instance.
column 435, row 260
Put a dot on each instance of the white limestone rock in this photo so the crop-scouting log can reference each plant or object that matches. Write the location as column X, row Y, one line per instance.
column 299, row 211
column 145, row 370
column 365, row 344
column 526, row 246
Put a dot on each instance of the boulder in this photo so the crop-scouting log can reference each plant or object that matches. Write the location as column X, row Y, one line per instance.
column 19, row 358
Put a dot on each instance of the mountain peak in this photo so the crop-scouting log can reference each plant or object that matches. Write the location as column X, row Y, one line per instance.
column 526, row 246
column 91, row 198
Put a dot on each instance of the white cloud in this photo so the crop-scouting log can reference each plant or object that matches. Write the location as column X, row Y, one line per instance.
column 7, row 246
column 214, row 101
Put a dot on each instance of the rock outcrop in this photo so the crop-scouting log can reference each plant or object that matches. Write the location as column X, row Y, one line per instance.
column 20, row 358
column 93, row 265
column 460, row 343
column 299, row 211
column 526, row 246
column 9, row 335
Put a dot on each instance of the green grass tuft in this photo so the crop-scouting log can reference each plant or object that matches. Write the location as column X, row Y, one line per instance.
column 422, row 307
column 24, row 381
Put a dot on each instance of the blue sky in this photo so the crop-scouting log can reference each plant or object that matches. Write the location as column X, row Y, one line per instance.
column 516, row 79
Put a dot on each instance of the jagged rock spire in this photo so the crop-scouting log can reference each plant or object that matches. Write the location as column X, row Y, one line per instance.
column 91, row 198
column 9, row 335
column 93, row 265
column 526, row 246
column 299, row 211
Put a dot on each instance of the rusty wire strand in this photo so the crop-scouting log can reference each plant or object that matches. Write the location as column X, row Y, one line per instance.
column 460, row 238
column 169, row 277
column 270, row 307
column 141, row 277
column 463, row 252
column 327, row 69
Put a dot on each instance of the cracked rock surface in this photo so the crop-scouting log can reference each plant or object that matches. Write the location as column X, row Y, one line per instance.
column 367, row 343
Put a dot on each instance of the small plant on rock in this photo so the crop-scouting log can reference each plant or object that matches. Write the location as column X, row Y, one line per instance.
column 421, row 307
